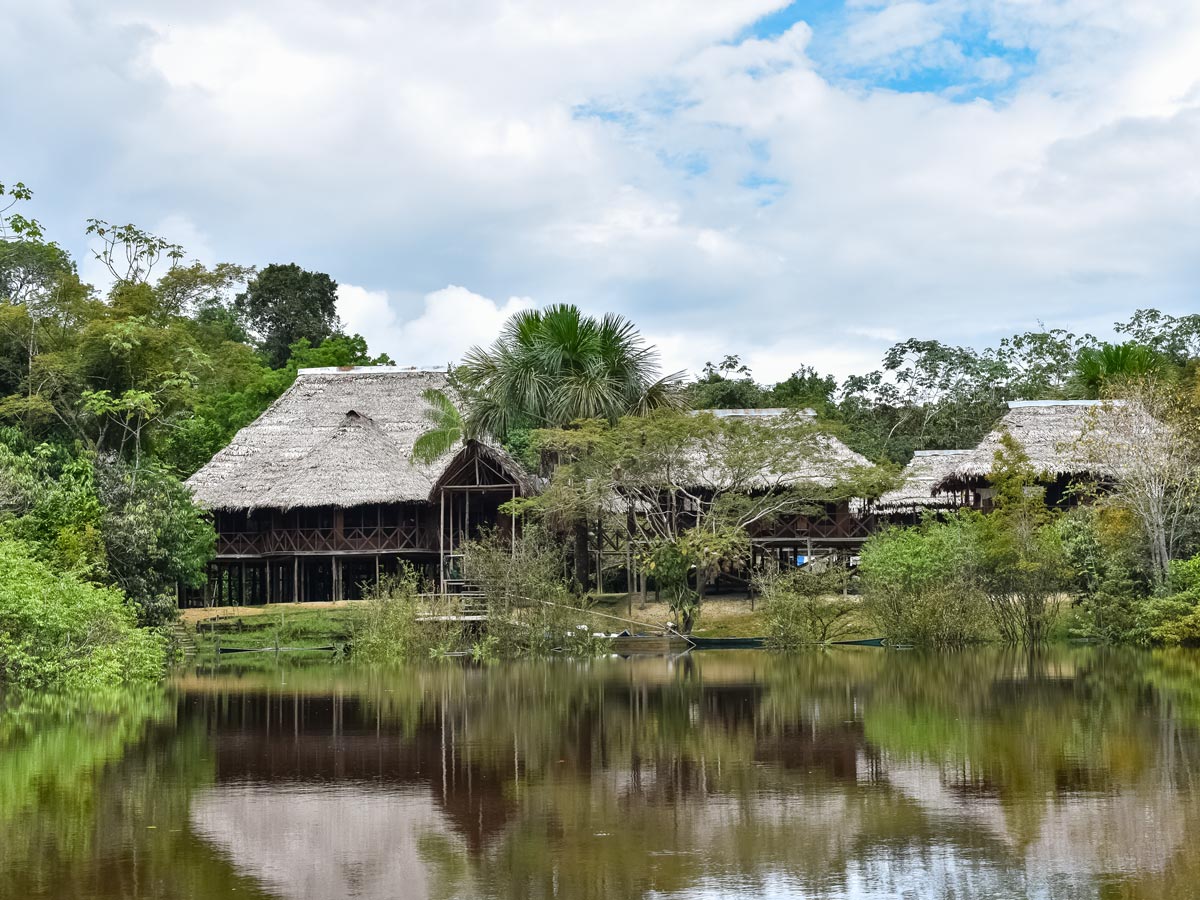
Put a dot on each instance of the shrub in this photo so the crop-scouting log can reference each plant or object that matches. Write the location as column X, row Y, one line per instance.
column 58, row 630
column 919, row 585
column 805, row 607
column 398, row 623
column 530, row 608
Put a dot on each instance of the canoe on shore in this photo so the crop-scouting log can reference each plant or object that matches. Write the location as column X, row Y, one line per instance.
column 650, row 643
column 728, row 643
column 223, row 650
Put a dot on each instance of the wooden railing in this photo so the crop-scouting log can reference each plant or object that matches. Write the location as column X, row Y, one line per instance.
column 370, row 539
column 800, row 527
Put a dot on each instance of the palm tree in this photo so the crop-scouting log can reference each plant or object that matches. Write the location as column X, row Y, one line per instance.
column 446, row 427
column 552, row 367
column 1098, row 367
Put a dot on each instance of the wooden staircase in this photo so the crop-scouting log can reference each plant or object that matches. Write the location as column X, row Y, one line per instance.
column 183, row 639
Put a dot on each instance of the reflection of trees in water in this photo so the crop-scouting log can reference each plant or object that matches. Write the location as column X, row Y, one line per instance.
column 609, row 779
column 986, row 771
column 94, row 795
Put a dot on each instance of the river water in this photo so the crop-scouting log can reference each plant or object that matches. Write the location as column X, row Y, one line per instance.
column 855, row 773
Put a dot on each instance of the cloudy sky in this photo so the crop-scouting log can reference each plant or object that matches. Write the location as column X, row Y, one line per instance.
column 796, row 183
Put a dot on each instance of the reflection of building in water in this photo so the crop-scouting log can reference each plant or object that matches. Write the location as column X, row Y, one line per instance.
column 1084, row 833
column 312, row 742
column 339, row 841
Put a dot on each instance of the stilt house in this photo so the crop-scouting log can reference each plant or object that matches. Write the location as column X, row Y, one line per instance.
column 1055, row 434
column 320, row 496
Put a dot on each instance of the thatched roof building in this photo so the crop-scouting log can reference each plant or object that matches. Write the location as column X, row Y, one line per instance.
column 1051, row 432
column 320, row 495
column 926, row 470
column 338, row 437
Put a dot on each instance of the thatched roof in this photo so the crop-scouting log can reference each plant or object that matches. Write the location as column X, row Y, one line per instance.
column 926, row 470
column 503, row 466
column 1049, row 431
column 826, row 462
column 336, row 437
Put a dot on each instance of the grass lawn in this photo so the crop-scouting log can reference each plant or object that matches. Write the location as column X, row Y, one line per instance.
column 291, row 624
column 326, row 624
column 725, row 616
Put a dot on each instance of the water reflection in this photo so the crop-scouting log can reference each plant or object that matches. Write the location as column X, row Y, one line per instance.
column 857, row 773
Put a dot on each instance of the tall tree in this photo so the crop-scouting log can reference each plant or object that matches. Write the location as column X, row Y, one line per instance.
column 552, row 367
column 285, row 303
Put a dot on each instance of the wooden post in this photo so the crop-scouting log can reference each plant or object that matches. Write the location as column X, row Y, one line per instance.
column 377, row 571
column 242, row 583
column 269, row 591
column 599, row 553
column 442, row 542
column 513, row 519
column 295, row 579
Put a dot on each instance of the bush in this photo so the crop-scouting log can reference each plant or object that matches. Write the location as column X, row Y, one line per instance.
column 919, row 585
column 1021, row 565
column 805, row 607
column 530, row 608
column 398, row 623
column 61, row 631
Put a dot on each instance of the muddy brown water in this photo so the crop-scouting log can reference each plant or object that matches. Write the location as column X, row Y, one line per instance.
column 853, row 773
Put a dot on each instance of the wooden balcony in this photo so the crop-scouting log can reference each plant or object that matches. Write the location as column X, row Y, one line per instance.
column 371, row 539
column 799, row 528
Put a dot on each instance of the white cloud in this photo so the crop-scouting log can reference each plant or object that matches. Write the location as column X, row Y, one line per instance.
column 451, row 321
column 728, row 194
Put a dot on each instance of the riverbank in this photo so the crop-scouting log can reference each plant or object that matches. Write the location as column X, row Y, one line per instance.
column 331, row 624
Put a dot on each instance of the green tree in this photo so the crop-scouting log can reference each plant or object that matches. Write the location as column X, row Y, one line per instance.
column 445, row 430
column 284, row 303
column 555, row 366
column 552, row 367
column 689, row 486
column 726, row 385
column 1100, row 368
column 1022, row 566
column 154, row 537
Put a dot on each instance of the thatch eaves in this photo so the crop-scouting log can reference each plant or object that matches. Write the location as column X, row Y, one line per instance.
column 336, row 437
column 459, row 470
column 1051, row 433
column 924, row 472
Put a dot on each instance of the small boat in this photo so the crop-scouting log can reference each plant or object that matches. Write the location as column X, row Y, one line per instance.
column 728, row 643
column 865, row 642
column 666, row 642
column 274, row 649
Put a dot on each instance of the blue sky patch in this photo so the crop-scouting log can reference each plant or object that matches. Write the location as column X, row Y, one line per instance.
column 964, row 62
